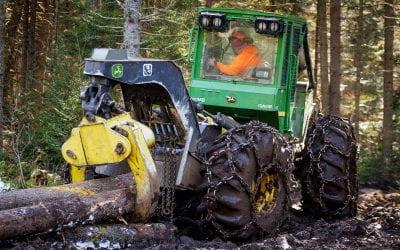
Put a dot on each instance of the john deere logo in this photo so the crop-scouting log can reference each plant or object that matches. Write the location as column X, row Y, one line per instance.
column 117, row 70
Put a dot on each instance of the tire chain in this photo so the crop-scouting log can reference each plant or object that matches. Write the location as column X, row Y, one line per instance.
column 341, row 123
column 285, row 170
column 168, row 192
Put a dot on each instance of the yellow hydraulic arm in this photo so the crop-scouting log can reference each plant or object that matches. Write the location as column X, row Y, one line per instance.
column 120, row 138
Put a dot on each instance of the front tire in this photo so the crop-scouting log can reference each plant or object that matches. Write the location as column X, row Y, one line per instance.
column 247, row 181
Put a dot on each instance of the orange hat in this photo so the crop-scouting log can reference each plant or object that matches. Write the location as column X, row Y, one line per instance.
column 238, row 35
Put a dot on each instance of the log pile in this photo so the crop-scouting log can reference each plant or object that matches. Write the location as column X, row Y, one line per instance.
column 38, row 210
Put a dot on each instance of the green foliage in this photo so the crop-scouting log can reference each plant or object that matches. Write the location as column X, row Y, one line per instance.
column 44, row 121
column 165, row 30
column 375, row 171
column 86, row 28
column 18, row 176
column 59, row 113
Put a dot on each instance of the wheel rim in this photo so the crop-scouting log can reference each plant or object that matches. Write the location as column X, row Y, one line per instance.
column 266, row 193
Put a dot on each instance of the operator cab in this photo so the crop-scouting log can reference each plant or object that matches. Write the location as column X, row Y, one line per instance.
column 218, row 45
column 259, row 81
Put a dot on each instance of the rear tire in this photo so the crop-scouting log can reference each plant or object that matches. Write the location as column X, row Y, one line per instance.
column 247, row 181
column 329, row 173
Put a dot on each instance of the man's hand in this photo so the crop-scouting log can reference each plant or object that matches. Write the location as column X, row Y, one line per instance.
column 211, row 62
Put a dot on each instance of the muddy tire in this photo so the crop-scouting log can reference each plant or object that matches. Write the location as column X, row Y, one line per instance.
column 244, row 166
column 329, row 173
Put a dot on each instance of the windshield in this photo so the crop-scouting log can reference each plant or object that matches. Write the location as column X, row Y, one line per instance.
column 239, row 54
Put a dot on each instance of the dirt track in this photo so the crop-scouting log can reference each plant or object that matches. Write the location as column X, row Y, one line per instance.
column 376, row 226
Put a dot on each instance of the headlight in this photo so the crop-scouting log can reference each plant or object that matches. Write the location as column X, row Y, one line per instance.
column 262, row 27
column 217, row 22
column 213, row 21
column 205, row 21
column 269, row 26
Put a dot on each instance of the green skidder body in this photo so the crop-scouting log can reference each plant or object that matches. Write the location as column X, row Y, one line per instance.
column 270, row 92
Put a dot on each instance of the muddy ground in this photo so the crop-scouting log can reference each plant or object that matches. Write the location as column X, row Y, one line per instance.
column 377, row 226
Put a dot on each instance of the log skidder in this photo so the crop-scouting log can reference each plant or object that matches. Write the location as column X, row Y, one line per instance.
column 247, row 179
column 165, row 133
column 329, row 172
column 243, row 178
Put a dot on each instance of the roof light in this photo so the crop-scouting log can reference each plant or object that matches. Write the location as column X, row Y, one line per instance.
column 213, row 21
column 274, row 27
column 205, row 21
column 217, row 22
column 262, row 27
column 269, row 26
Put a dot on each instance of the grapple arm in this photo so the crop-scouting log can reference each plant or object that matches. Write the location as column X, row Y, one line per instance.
column 111, row 141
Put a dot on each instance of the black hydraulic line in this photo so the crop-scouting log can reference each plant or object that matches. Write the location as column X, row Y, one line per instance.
column 222, row 120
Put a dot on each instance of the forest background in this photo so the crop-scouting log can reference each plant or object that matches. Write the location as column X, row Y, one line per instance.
column 43, row 44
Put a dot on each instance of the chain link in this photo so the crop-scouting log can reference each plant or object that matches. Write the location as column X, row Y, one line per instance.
column 168, row 191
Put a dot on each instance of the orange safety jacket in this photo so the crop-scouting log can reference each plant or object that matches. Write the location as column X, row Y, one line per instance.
column 248, row 58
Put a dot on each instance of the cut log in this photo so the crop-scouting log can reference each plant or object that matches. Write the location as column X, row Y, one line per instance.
column 32, row 196
column 125, row 236
column 103, row 236
column 66, row 212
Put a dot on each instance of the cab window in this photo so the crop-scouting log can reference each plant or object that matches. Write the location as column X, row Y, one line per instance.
column 251, row 59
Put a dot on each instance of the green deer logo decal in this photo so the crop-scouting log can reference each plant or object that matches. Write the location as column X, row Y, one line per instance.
column 117, row 70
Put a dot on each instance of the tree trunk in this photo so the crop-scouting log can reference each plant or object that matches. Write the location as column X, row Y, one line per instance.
column 97, row 4
column 316, row 55
column 65, row 213
column 42, row 45
column 335, row 71
column 33, row 196
column 296, row 7
column 11, row 56
column 31, row 60
column 25, row 48
column 387, row 129
column 358, row 61
column 2, row 69
column 37, row 210
column 132, row 27
column 272, row 7
column 55, row 29
column 323, row 53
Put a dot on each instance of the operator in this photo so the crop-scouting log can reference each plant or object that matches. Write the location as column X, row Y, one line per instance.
column 246, row 57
